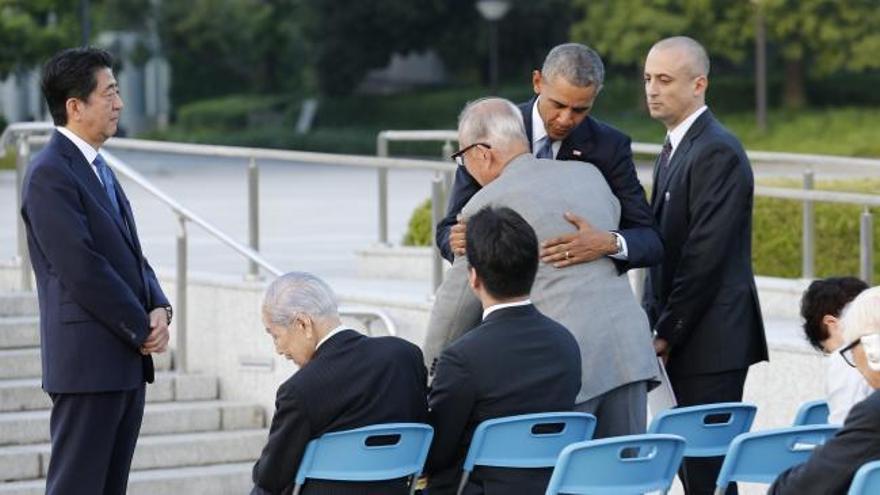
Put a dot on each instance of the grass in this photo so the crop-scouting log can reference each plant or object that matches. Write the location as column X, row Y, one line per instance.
column 7, row 162
column 778, row 229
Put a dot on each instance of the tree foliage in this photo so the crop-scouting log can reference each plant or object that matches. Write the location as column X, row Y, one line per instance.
column 31, row 30
column 823, row 36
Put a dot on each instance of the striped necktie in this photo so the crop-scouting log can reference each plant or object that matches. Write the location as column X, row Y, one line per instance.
column 546, row 149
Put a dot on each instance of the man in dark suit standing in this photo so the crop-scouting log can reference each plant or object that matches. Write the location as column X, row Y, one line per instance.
column 102, row 312
column 558, row 126
column 701, row 299
column 346, row 380
column 516, row 361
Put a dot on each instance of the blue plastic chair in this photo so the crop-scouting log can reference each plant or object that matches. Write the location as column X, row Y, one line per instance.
column 372, row 453
column 626, row 464
column 708, row 429
column 867, row 480
column 525, row 441
column 814, row 412
column 759, row 457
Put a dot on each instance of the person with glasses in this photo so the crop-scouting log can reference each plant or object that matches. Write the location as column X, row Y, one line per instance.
column 558, row 126
column 831, row 467
column 821, row 305
column 589, row 299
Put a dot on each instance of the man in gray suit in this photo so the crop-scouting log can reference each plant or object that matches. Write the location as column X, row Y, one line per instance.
column 589, row 299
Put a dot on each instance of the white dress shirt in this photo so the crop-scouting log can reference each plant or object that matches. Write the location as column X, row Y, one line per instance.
column 85, row 148
column 676, row 135
column 844, row 387
column 332, row 333
column 496, row 307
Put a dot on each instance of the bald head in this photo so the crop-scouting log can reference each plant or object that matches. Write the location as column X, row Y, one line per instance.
column 693, row 55
column 676, row 79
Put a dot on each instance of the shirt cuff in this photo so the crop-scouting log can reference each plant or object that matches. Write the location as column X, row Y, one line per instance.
column 623, row 254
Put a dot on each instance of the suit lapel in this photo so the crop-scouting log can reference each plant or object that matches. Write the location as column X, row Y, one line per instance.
column 579, row 143
column 677, row 160
column 83, row 171
column 526, row 111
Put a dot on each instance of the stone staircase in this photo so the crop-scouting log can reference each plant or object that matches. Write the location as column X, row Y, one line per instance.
column 191, row 441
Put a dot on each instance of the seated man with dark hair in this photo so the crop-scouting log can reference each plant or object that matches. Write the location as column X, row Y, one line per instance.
column 821, row 305
column 831, row 467
column 346, row 380
column 516, row 361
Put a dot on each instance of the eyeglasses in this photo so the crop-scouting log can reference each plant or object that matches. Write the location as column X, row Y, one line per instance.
column 847, row 352
column 458, row 156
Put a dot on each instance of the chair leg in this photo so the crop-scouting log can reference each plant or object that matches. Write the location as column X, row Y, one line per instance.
column 464, row 480
column 720, row 490
column 413, row 480
column 296, row 489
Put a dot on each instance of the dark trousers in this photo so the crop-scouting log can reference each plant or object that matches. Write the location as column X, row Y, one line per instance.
column 93, row 439
column 698, row 475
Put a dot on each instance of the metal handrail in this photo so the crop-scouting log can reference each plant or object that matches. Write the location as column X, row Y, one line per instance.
column 26, row 134
column 807, row 194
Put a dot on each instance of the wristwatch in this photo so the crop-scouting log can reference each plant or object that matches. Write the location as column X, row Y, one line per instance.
column 618, row 239
column 170, row 312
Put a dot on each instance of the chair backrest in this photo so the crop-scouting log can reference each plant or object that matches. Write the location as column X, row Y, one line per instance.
column 759, row 456
column 527, row 440
column 372, row 453
column 626, row 464
column 814, row 412
column 867, row 480
column 708, row 429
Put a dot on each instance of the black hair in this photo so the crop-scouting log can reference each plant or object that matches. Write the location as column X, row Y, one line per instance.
column 503, row 249
column 69, row 74
column 826, row 297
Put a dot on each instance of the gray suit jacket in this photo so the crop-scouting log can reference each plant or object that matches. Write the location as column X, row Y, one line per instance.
column 590, row 299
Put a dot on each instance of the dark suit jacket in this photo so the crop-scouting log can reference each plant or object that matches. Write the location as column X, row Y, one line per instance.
column 517, row 361
column 94, row 286
column 702, row 298
column 610, row 151
column 831, row 467
column 352, row 381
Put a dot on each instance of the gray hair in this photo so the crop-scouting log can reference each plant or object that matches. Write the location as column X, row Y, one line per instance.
column 862, row 316
column 578, row 64
column 299, row 293
column 698, row 59
column 494, row 120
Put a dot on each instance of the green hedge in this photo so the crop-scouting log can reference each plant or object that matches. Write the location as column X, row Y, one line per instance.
column 776, row 232
column 230, row 112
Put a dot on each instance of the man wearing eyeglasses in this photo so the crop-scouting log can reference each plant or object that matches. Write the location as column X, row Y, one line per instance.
column 831, row 467
column 558, row 126
column 589, row 299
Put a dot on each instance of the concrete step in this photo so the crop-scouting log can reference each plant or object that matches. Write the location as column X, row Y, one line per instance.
column 19, row 331
column 25, row 362
column 218, row 479
column 18, row 304
column 26, row 394
column 20, row 463
column 29, row 427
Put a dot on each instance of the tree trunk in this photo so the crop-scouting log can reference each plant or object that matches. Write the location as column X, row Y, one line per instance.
column 794, row 92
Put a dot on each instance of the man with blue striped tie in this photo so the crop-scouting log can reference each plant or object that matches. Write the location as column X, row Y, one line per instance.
column 102, row 312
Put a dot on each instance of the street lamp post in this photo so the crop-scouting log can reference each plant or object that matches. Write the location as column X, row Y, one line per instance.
column 493, row 11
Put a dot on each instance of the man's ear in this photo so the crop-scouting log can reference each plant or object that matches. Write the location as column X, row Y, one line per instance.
column 304, row 323
column 536, row 81
column 474, row 280
column 701, row 84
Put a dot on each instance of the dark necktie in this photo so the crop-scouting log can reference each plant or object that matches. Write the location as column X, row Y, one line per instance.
column 546, row 149
column 663, row 163
column 107, row 180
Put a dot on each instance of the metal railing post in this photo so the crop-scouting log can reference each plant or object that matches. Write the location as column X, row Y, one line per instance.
column 866, row 246
column 809, row 231
column 382, row 172
column 436, row 216
column 24, row 154
column 180, row 312
column 447, row 176
column 253, row 216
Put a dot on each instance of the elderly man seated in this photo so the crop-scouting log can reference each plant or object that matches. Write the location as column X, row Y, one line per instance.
column 832, row 466
column 346, row 380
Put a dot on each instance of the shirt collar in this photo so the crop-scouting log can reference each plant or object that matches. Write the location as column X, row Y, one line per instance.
column 538, row 131
column 332, row 333
column 85, row 148
column 676, row 135
column 496, row 307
